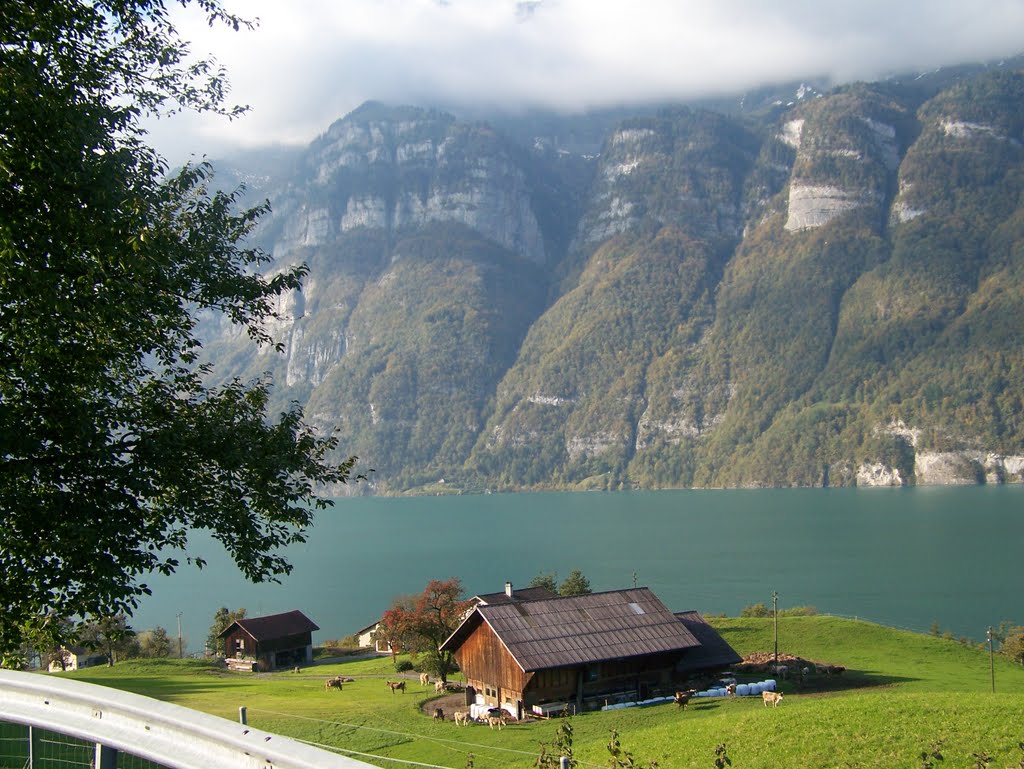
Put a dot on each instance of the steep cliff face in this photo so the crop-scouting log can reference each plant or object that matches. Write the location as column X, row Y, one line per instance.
column 396, row 170
column 829, row 293
column 662, row 214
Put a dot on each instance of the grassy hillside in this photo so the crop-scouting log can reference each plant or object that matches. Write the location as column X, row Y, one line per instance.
column 901, row 693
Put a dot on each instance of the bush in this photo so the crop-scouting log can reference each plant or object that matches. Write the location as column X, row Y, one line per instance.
column 755, row 610
column 401, row 666
column 798, row 611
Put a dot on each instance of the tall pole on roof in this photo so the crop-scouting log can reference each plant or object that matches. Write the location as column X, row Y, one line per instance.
column 775, row 613
column 180, row 655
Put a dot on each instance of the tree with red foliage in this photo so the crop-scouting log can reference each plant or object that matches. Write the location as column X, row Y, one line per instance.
column 395, row 627
column 423, row 622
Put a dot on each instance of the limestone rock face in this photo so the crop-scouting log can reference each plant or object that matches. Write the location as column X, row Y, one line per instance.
column 375, row 170
column 847, row 151
column 878, row 474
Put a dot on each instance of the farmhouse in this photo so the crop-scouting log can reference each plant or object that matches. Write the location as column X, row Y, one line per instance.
column 581, row 651
column 266, row 643
column 365, row 638
column 76, row 658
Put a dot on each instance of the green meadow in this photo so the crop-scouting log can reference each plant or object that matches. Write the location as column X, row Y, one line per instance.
column 901, row 694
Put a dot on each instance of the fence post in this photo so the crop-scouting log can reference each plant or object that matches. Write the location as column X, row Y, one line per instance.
column 241, row 716
column 106, row 757
column 563, row 762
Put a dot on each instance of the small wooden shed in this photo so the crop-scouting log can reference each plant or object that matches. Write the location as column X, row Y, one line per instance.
column 579, row 651
column 273, row 641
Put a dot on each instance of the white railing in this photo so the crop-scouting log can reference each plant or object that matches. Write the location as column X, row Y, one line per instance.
column 166, row 734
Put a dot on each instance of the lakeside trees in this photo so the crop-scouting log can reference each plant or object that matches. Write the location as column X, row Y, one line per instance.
column 113, row 447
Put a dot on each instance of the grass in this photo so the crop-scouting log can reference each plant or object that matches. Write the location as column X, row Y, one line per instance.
column 901, row 693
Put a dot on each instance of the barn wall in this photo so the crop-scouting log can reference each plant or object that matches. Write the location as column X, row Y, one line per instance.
column 489, row 668
column 231, row 641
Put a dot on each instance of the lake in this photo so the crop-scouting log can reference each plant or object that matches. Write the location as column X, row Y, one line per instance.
column 902, row 557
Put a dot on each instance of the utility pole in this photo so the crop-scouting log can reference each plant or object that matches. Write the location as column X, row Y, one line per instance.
column 634, row 580
column 180, row 655
column 775, row 613
column 991, row 660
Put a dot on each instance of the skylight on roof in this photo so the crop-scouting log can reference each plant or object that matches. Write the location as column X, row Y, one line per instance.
column 637, row 608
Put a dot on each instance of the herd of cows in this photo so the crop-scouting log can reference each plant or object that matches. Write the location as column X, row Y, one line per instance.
column 496, row 716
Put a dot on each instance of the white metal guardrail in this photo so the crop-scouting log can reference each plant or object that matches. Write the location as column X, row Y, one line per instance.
column 167, row 734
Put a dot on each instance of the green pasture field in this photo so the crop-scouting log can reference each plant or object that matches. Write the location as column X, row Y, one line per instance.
column 902, row 692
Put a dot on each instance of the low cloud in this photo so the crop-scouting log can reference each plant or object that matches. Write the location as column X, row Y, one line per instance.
column 312, row 61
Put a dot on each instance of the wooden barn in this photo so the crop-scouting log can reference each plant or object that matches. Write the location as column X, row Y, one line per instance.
column 578, row 652
column 265, row 643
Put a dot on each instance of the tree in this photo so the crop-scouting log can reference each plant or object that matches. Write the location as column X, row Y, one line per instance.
column 575, row 584
column 114, row 446
column 427, row 619
column 395, row 627
column 546, row 580
column 155, row 643
column 221, row 619
column 1013, row 645
column 111, row 635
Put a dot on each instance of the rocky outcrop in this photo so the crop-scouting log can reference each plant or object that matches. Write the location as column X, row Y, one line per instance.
column 878, row 474
column 375, row 170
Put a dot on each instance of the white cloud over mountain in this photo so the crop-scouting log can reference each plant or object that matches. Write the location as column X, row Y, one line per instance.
column 312, row 61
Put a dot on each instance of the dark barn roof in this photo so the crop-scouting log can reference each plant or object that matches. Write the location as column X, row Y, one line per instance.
column 713, row 651
column 519, row 594
column 274, row 625
column 576, row 630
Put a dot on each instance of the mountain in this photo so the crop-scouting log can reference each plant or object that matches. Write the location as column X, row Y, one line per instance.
column 820, row 290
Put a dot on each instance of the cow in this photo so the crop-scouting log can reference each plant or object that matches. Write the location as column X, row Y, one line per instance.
column 461, row 718
column 682, row 699
column 498, row 721
column 439, row 687
column 780, row 670
column 424, row 679
column 332, row 683
column 731, row 690
column 438, row 714
column 396, row 685
column 773, row 697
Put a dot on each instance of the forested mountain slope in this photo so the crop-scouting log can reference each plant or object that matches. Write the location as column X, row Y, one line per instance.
column 824, row 292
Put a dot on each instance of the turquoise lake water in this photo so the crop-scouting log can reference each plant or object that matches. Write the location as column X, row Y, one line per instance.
column 902, row 557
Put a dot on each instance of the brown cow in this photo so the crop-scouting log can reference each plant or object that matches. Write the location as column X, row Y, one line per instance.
column 773, row 697
column 439, row 687
column 396, row 685
column 438, row 714
column 498, row 721
column 461, row 718
column 424, row 679
column 333, row 683
column 682, row 699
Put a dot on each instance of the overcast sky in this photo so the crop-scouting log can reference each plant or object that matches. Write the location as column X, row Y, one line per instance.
column 312, row 61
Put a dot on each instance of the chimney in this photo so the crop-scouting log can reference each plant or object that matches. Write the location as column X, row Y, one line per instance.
column 508, row 589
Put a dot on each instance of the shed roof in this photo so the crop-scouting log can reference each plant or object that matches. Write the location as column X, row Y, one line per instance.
column 714, row 651
column 274, row 625
column 575, row 630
